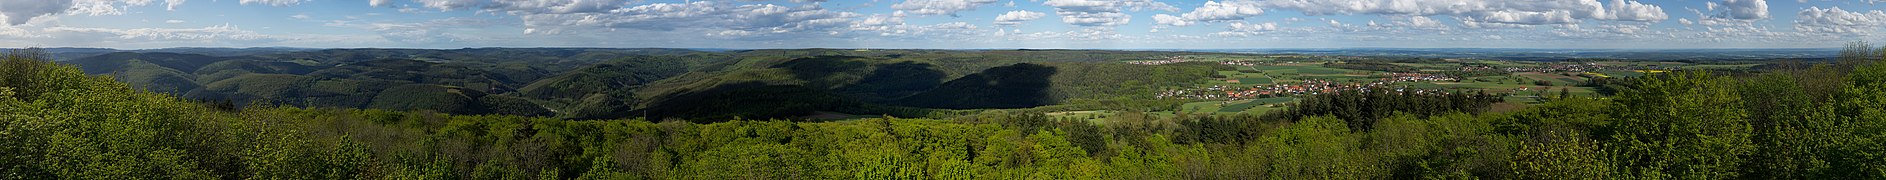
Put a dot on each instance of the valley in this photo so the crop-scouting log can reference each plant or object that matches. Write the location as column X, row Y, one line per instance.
column 815, row 84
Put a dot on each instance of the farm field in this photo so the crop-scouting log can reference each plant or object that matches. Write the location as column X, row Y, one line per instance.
column 1524, row 86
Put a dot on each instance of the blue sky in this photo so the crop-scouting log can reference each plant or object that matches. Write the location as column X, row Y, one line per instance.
column 946, row 24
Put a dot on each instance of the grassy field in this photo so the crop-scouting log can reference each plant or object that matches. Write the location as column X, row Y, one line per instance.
column 1522, row 88
column 1555, row 78
column 1252, row 106
column 1621, row 74
column 1719, row 66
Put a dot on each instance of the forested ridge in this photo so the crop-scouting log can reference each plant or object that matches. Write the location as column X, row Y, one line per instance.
column 605, row 83
column 1812, row 121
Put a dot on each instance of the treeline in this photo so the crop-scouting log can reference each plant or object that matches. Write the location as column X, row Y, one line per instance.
column 1371, row 66
column 1361, row 108
column 61, row 124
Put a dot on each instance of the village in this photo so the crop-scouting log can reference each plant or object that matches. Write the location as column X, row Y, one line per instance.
column 1563, row 67
column 1311, row 87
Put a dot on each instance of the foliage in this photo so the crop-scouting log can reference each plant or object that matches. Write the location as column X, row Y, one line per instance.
column 1371, row 66
column 1361, row 108
column 58, row 123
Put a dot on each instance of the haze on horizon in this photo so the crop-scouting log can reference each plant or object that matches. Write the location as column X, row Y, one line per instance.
column 941, row 24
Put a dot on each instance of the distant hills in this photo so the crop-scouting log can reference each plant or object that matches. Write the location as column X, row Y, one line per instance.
column 1560, row 54
column 607, row 83
column 598, row 83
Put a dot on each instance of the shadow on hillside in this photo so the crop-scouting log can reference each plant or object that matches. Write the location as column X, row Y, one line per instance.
column 748, row 100
column 896, row 80
column 1021, row 85
column 813, row 68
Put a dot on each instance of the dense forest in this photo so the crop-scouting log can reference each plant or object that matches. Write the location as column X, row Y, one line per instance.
column 1818, row 121
column 599, row 83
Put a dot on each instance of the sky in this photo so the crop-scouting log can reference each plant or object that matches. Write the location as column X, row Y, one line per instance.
column 943, row 24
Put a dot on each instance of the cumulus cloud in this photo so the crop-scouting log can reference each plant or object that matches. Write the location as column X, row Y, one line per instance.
column 1169, row 20
column 1213, row 11
column 171, row 5
column 432, row 31
column 1420, row 22
column 217, row 35
column 379, row 3
column 939, row 7
column 1102, row 12
column 893, row 25
column 722, row 19
column 102, row 7
column 1485, row 11
column 520, row 7
column 1017, row 17
column 1247, row 27
column 272, row 2
column 1083, row 34
column 1225, row 11
column 220, row 32
column 1242, row 29
column 1740, row 9
column 1634, row 11
column 17, row 32
column 18, row 12
column 1835, row 20
column 446, row 5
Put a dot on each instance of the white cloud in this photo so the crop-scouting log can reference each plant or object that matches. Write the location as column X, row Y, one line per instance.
column 1163, row 19
column 1634, row 11
column 102, row 7
column 1102, row 12
column 1225, row 11
column 446, row 5
column 379, row 3
column 272, row 2
column 1420, row 22
column 878, row 22
column 720, row 18
column 212, row 33
column 520, row 7
column 894, row 26
column 1213, row 11
column 18, row 12
column 300, row 16
column 173, row 21
column 953, row 25
column 939, row 7
column 1528, row 18
column 1472, row 23
column 1017, row 17
column 556, row 6
column 1740, row 9
column 171, row 5
column 1246, row 27
column 1484, row 11
column 17, row 32
column 1096, row 18
column 440, row 30
column 1835, row 20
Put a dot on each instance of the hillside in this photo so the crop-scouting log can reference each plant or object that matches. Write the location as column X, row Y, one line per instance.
column 57, row 122
column 586, row 83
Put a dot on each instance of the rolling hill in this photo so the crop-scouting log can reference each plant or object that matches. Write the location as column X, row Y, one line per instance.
column 585, row 83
